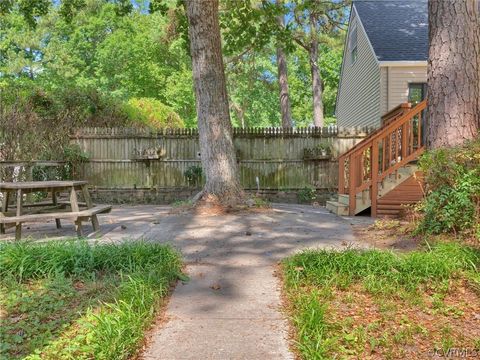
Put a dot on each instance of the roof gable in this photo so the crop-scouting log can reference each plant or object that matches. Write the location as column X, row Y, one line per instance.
column 397, row 29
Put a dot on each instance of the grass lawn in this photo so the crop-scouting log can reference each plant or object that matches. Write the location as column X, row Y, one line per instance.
column 71, row 300
column 377, row 304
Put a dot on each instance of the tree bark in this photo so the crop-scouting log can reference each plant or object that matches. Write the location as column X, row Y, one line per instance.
column 453, row 113
column 283, row 79
column 317, row 86
column 284, row 92
column 214, row 125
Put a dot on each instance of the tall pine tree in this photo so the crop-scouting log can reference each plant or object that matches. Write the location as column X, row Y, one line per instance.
column 214, row 126
column 453, row 72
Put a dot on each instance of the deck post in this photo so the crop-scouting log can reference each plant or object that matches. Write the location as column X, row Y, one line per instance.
column 374, row 178
column 404, row 140
column 352, row 184
column 341, row 175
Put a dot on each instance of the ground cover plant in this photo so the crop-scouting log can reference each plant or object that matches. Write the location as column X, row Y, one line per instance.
column 376, row 304
column 72, row 300
column 452, row 202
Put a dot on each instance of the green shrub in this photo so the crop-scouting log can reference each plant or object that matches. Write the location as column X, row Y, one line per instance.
column 307, row 194
column 193, row 174
column 152, row 113
column 39, row 122
column 452, row 176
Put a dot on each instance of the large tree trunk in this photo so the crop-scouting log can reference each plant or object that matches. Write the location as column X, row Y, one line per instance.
column 317, row 86
column 283, row 79
column 214, row 126
column 283, row 83
column 453, row 113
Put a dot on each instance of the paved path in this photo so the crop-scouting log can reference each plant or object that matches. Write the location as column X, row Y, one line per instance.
column 230, row 308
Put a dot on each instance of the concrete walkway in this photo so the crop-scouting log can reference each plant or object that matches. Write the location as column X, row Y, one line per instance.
column 231, row 307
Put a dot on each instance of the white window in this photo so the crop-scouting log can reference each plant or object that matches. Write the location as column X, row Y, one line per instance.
column 352, row 44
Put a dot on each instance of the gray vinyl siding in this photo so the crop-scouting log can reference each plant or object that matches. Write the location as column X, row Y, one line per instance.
column 358, row 102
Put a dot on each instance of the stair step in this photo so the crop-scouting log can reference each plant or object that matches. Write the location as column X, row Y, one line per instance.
column 337, row 208
column 396, row 202
column 387, row 212
column 390, row 207
column 392, row 181
column 400, row 192
column 343, row 199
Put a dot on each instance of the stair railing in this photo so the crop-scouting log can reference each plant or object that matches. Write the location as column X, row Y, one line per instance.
column 398, row 142
column 395, row 113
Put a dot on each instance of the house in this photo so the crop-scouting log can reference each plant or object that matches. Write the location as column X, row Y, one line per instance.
column 383, row 85
column 385, row 60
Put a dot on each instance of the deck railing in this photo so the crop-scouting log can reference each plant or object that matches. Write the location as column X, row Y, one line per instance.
column 395, row 113
column 398, row 142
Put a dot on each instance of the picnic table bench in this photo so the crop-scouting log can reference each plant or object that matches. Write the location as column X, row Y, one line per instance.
column 56, row 210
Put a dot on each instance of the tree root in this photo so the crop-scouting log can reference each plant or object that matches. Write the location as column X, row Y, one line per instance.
column 211, row 204
column 194, row 200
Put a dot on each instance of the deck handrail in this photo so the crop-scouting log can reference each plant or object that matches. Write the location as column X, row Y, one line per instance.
column 395, row 144
column 396, row 112
column 386, row 119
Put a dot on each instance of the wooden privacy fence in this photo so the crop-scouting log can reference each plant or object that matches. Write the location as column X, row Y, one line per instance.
column 139, row 158
column 24, row 170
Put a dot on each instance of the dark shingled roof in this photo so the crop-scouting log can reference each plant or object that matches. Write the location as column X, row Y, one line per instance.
column 397, row 29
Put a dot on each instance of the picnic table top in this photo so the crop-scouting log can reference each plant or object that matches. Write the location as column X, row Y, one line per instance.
column 29, row 185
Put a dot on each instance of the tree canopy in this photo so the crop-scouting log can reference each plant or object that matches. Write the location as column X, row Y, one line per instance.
column 92, row 57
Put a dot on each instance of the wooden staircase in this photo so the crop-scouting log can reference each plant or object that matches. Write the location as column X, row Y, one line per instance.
column 380, row 172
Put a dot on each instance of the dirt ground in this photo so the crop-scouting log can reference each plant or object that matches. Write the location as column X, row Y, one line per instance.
column 388, row 234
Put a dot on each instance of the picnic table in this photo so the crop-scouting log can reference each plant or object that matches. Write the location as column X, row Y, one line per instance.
column 51, row 209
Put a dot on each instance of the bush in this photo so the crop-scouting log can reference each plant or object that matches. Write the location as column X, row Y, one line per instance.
column 452, row 177
column 307, row 194
column 74, row 156
column 152, row 113
column 28, row 113
column 193, row 174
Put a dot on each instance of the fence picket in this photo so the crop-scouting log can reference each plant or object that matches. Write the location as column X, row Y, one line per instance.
column 275, row 155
